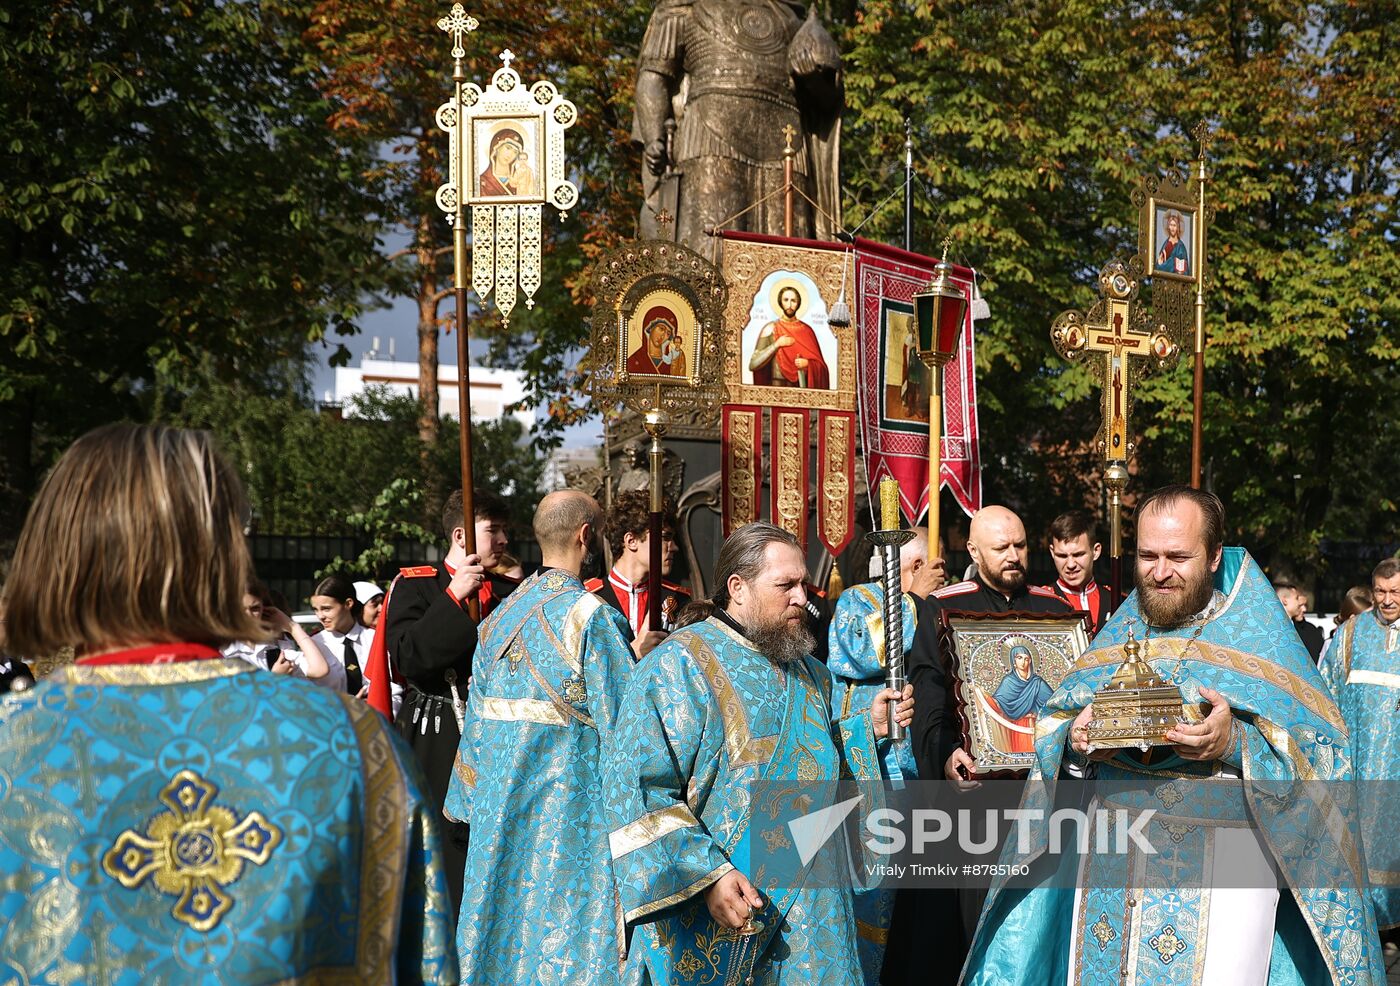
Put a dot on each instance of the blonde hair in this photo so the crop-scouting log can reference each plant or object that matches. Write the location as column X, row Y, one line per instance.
column 136, row 536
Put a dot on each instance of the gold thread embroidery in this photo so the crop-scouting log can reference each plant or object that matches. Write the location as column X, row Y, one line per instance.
column 466, row 773
column 1167, row 945
column 742, row 487
column 521, row 710
column 574, row 624
column 182, row 672
column 870, row 933
column 195, row 849
column 743, row 749
column 649, row 828
column 836, row 515
column 1365, row 676
column 637, row 913
column 1103, row 931
column 790, row 455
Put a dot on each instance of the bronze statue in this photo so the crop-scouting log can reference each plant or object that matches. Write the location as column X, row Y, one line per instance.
column 718, row 84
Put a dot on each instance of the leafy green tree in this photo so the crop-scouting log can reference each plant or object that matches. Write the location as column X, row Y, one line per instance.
column 385, row 527
column 173, row 204
column 1035, row 120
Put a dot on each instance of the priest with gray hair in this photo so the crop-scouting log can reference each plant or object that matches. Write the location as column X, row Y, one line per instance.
column 724, row 704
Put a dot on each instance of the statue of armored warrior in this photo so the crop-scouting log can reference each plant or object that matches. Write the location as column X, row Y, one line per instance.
column 720, row 85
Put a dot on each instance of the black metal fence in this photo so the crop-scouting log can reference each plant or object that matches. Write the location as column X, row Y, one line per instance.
column 289, row 563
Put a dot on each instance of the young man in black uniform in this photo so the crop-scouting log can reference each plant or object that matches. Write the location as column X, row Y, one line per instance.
column 431, row 638
column 626, row 586
column 997, row 543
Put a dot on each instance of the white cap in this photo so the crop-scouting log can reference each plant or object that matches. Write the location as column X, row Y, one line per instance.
column 365, row 591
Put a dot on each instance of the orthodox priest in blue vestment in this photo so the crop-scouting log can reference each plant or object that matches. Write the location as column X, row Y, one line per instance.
column 720, row 707
column 173, row 816
column 857, row 663
column 1363, row 670
column 539, row 902
column 1272, row 724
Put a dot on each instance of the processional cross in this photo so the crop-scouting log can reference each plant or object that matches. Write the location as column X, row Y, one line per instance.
column 1118, row 332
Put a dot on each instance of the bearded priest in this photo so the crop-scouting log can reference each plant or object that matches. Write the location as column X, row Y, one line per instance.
column 722, row 706
column 1258, row 881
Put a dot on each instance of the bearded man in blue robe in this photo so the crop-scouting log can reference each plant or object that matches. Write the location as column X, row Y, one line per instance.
column 1260, row 883
column 725, row 708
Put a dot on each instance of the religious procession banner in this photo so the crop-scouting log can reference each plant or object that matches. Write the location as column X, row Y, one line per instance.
column 895, row 384
column 789, row 353
column 507, row 164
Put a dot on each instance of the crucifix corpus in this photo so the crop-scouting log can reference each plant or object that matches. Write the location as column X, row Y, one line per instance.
column 1118, row 341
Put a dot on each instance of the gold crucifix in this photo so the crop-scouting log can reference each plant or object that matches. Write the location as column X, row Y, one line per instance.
column 1115, row 329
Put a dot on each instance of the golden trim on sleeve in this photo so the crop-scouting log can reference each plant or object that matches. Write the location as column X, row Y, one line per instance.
column 637, row 913
column 1366, row 676
column 649, row 828
column 522, row 710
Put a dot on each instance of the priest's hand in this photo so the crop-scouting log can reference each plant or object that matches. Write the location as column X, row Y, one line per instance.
column 1207, row 740
column 467, row 580
column 961, row 769
column 1079, row 736
column 732, row 899
column 880, row 710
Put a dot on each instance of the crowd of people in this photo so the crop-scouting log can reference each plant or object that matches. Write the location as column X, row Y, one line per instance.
column 481, row 775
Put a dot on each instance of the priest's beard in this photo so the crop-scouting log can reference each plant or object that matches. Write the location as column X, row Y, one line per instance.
column 1177, row 608
column 783, row 641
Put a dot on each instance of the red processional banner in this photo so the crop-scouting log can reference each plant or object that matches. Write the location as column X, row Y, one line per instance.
column 784, row 351
column 894, row 384
column 858, row 377
column 787, row 450
column 740, row 470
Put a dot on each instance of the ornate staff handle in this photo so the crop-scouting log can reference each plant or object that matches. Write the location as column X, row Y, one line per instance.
column 889, row 540
column 894, row 632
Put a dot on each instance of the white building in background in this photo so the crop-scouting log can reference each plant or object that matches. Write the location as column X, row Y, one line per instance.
column 492, row 390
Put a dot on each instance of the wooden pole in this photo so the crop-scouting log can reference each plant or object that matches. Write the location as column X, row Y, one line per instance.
column 459, row 281
column 788, row 153
column 909, row 185
column 1198, row 370
column 935, row 454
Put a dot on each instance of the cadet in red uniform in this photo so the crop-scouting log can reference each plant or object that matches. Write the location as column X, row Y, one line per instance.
column 431, row 638
column 626, row 586
column 1074, row 548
